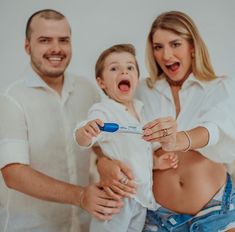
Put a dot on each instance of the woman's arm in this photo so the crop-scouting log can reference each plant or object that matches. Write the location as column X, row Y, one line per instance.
column 164, row 131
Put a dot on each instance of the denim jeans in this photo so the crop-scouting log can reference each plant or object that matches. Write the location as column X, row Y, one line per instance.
column 215, row 216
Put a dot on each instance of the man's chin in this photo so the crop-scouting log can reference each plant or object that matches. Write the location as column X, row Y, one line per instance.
column 55, row 74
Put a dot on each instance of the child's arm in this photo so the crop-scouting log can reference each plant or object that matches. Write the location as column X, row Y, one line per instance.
column 165, row 161
column 85, row 133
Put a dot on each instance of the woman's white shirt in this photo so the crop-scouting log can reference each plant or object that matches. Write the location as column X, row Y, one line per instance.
column 202, row 103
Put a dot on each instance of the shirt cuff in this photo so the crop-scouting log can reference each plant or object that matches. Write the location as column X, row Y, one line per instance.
column 13, row 151
column 78, row 145
column 213, row 131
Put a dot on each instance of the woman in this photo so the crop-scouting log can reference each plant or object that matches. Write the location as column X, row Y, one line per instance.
column 198, row 195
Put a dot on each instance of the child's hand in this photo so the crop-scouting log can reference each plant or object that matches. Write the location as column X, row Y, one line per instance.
column 165, row 161
column 91, row 129
column 85, row 134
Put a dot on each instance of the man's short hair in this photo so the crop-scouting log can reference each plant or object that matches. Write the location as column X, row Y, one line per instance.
column 46, row 14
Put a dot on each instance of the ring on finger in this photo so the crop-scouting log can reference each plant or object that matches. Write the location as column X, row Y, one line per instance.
column 123, row 180
column 165, row 133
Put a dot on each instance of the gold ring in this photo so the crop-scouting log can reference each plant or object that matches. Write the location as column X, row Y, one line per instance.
column 165, row 133
column 124, row 180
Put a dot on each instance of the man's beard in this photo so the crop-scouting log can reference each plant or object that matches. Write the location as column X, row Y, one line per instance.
column 49, row 72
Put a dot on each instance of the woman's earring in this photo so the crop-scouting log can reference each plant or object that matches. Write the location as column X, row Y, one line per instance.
column 193, row 55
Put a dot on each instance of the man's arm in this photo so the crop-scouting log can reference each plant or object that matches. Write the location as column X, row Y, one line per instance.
column 31, row 182
column 111, row 172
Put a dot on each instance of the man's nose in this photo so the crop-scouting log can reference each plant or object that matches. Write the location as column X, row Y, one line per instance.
column 55, row 46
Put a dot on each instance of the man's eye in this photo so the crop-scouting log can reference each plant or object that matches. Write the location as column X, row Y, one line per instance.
column 44, row 40
column 65, row 40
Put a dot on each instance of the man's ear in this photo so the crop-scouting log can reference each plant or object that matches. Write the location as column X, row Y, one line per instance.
column 100, row 82
column 27, row 46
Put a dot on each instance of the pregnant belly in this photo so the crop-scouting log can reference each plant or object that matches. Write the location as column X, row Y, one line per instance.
column 189, row 187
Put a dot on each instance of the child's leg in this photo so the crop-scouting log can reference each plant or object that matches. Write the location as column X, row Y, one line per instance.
column 121, row 221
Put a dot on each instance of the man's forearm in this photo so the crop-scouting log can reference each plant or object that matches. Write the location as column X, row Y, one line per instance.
column 31, row 182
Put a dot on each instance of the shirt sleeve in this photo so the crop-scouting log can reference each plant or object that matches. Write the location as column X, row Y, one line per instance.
column 13, row 133
column 94, row 113
column 213, row 131
column 220, row 122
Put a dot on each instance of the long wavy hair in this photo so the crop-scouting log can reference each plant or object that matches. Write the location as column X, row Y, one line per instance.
column 182, row 25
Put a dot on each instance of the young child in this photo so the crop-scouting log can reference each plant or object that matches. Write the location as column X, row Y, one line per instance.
column 117, row 74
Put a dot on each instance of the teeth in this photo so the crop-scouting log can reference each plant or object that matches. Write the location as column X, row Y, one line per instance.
column 55, row 58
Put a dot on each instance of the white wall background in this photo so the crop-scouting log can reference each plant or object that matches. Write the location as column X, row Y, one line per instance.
column 98, row 24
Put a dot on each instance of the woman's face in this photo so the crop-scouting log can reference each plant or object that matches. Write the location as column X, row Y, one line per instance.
column 173, row 53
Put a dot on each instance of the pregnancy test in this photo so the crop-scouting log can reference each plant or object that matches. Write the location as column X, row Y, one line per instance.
column 114, row 127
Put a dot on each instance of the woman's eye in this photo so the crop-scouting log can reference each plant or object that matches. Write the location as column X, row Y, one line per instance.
column 157, row 47
column 175, row 45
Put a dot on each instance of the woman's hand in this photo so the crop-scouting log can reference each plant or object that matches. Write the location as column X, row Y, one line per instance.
column 162, row 130
column 116, row 178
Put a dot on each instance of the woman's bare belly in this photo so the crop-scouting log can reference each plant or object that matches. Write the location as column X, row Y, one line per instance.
column 189, row 187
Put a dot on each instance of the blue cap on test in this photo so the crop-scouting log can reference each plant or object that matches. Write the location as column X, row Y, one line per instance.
column 109, row 127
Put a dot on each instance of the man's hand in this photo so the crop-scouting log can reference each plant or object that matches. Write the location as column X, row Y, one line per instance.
column 111, row 173
column 96, row 202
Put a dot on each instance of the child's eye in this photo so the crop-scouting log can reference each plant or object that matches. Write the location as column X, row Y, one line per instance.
column 113, row 69
column 131, row 68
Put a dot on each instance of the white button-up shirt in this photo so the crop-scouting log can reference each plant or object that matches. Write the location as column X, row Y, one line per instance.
column 209, row 104
column 128, row 148
column 36, row 128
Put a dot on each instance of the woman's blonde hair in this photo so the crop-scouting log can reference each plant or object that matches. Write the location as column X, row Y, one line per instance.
column 182, row 25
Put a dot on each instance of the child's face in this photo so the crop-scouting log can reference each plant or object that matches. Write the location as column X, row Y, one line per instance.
column 120, row 76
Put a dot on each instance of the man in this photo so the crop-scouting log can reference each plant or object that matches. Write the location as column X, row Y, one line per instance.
column 39, row 160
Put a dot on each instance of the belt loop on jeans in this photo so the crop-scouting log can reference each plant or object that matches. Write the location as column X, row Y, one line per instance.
column 227, row 195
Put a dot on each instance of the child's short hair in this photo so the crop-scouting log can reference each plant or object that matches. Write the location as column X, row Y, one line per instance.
column 118, row 48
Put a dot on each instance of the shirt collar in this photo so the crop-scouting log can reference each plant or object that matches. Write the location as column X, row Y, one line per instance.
column 137, row 104
column 193, row 80
column 33, row 80
column 163, row 86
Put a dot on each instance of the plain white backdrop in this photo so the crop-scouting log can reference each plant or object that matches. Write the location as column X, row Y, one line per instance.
column 97, row 25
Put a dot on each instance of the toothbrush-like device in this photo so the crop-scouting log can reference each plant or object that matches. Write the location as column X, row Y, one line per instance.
column 114, row 127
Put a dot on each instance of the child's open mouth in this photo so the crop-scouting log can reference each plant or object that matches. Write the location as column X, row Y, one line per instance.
column 124, row 85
